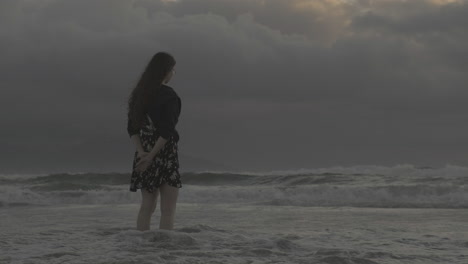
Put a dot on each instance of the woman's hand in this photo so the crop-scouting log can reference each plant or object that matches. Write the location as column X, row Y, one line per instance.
column 144, row 162
column 141, row 153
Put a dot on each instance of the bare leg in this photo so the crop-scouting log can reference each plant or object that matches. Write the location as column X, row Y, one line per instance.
column 148, row 204
column 169, row 196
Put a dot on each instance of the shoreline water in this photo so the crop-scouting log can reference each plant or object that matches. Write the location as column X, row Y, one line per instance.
column 234, row 233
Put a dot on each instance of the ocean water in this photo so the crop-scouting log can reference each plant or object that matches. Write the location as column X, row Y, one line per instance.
column 360, row 214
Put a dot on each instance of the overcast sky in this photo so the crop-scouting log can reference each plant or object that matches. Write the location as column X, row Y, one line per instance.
column 265, row 84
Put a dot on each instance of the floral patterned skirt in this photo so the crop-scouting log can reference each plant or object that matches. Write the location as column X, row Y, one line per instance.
column 163, row 168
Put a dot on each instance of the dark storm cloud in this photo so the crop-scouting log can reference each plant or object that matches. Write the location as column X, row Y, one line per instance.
column 440, row 31
column 265, row 84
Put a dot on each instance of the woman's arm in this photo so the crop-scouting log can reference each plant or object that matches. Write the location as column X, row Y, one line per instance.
column 169, row 118
column 137, row 142
column 158, row 146
column 166, row 123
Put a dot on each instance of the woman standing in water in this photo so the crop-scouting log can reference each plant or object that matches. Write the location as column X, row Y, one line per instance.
column 153, row 113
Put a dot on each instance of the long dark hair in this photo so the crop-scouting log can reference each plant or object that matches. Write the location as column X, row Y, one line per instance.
column 147, row 87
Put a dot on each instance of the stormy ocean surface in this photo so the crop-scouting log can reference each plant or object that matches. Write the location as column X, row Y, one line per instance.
column 335, row 215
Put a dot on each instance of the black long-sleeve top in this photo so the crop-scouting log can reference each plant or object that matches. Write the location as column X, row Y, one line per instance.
column 164, row 110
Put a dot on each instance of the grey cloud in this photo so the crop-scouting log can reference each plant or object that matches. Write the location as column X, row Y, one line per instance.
column 263, row 85
column 444, row 19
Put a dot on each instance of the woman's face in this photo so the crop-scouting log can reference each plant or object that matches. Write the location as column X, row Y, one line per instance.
column 169, row 76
